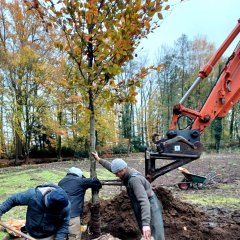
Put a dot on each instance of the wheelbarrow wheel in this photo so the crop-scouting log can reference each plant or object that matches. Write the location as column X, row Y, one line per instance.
column 184, row 185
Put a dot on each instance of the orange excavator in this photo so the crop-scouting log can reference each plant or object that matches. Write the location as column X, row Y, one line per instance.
column 182, row 146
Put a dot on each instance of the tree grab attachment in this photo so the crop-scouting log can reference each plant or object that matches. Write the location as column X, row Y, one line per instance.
column 180, row 146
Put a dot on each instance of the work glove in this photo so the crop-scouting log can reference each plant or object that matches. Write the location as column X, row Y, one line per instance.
column 97, row 185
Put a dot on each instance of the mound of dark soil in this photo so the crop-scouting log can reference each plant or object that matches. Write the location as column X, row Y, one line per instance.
column 182, row 220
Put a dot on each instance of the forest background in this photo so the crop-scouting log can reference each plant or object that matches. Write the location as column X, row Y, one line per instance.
column 71, row 82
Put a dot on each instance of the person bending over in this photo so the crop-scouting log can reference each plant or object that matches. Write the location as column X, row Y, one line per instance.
column 48, row 211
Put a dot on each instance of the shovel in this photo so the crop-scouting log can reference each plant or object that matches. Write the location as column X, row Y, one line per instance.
column 17, row 231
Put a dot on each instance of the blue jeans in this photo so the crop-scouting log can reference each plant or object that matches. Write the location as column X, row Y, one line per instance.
column 157, row 228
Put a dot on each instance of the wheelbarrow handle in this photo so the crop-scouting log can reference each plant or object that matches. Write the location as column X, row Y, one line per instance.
column 17, row 231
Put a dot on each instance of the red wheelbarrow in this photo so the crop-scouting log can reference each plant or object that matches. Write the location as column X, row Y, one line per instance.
column 195, row 181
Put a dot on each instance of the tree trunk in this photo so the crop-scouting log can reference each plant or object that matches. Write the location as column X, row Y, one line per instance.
column 18, row 148
column 218, row 133
column 141, row 118
column 146, row 124
column 2, row 137
column 59, row 138
column 231, row 124
column 95, row 222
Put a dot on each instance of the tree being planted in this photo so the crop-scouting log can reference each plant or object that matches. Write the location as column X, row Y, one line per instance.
column 100, row 37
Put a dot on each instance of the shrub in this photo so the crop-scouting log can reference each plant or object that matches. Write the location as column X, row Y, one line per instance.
column 81, row 154
column 119, row 149
column 140, row 148
column 67, row 152
column 47, row 153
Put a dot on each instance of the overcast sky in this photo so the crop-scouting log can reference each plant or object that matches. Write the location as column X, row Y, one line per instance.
column 214, row 19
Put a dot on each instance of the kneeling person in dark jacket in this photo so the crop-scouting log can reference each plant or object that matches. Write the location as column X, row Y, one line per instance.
column 75, row 185
column 48, row 211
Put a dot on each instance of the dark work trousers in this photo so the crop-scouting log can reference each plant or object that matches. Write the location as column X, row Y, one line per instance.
column 156, row 222
column 157, row 228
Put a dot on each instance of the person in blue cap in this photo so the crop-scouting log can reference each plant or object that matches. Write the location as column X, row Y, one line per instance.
column 75, row 185
column 48, row 211
column 146, row 206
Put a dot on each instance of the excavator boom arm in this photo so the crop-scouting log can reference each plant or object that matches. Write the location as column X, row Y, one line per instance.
column 224, row 94
column 184, row 146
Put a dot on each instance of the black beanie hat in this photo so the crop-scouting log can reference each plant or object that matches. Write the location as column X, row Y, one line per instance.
column 57, row 199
